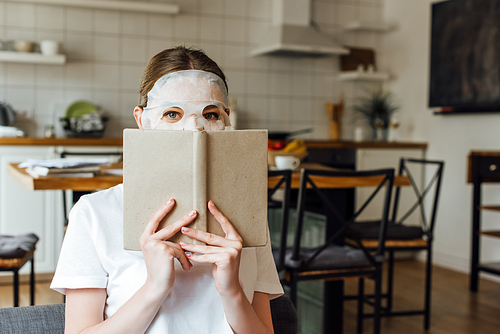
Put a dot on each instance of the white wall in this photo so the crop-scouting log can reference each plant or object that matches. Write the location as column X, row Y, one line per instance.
column 405, row 53
column 108, row 50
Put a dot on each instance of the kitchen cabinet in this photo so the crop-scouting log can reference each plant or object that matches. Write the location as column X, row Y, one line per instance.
column 482, row 168
column 40, row 212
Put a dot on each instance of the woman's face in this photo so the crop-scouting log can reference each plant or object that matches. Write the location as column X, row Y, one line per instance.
column 186, row 102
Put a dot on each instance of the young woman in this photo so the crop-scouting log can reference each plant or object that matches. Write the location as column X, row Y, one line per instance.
column 168, row 287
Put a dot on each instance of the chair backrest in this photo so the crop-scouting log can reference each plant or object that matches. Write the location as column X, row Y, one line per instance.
column 427, row 218
column 43, row 319
column 318, row 182
column 281, row 180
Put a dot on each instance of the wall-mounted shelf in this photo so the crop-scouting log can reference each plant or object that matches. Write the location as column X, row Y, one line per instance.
column 364, row 76
column 31, row 57
column 135, row 6
column 369, row 26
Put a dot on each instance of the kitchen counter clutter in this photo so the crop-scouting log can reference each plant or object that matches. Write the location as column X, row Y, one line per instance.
column 118, row 142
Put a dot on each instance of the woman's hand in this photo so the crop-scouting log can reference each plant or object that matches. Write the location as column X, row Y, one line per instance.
column 223, row 252
column 159, row 254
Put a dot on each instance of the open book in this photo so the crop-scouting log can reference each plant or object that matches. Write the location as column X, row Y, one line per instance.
column 227, row 167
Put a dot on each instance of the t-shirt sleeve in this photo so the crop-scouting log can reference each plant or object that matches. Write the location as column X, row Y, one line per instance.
column 267, row 276
column 79, row 265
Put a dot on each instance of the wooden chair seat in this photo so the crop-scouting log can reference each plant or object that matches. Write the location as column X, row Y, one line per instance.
column 402, row 243
column 17, row 262
column 15, row 251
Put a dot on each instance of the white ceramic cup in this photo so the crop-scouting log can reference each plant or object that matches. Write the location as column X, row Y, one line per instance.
column 49, row 47
column 286, row 162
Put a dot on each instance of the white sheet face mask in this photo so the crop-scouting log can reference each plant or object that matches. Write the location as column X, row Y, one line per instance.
column 187, row 100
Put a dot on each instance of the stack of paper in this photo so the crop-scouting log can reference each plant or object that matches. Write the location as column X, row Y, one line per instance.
column 64, row 167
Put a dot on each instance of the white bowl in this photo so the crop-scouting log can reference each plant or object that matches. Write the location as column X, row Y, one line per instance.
column 23, row 46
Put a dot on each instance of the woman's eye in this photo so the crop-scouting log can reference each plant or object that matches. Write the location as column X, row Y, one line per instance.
column 171, row 114
column 211, row 116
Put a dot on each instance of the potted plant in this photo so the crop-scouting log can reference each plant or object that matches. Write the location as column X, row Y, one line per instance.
column 378, row 108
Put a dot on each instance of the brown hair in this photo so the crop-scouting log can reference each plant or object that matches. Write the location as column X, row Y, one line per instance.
column 177, row 58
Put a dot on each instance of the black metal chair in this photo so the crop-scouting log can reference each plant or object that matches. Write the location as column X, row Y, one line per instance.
column 331, row 261
column 401, row 237
column 282, row 180
column 15, row 251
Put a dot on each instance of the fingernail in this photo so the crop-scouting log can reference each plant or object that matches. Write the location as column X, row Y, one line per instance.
column 211, row 203
column 192, row 213
column 185, row 229
column 182, row 243
column 170, row 201
column 189, row 254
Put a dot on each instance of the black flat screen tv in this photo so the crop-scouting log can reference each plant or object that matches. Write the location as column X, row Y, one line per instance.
column 465, row 56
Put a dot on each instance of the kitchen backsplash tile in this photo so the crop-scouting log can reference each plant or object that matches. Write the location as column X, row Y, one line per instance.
column 213, row 7
column 79, row 19
column 78, row 47
column 22, row 98
column 106, row 76
column 159, row 25
column 20, row 15
column 50, row 76
column 210, row 29
column 48, row 101
column 108, row 50
column 236, row 8
column 20, row 74
column 235, row 31
column 133, row 49
column 134, row 23
column 131, row 76
column 2, row 13
column 186, row 26
column 49, row 17
column 19, row 33
column 107, row 21
column 79, row 75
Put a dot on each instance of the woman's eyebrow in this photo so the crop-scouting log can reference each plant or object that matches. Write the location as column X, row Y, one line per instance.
column 210, row 107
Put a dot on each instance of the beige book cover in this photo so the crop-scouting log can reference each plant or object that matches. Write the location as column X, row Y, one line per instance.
column 228, row 167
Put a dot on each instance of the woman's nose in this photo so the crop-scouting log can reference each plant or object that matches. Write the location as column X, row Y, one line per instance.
column 194, row 124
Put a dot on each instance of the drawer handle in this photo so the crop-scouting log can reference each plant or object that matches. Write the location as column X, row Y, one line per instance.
column 493, row 168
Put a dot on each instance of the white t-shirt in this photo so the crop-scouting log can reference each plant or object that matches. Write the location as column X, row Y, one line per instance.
column 92, row 256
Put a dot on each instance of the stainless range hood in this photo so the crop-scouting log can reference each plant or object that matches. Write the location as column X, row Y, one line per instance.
column 291, row 33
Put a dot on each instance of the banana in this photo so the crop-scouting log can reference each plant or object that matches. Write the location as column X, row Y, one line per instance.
column 296, row 146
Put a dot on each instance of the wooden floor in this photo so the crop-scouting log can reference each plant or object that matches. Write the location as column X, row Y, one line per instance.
column 454, row 309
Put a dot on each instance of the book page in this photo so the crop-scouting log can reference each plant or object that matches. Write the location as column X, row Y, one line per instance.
column 237, row 182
